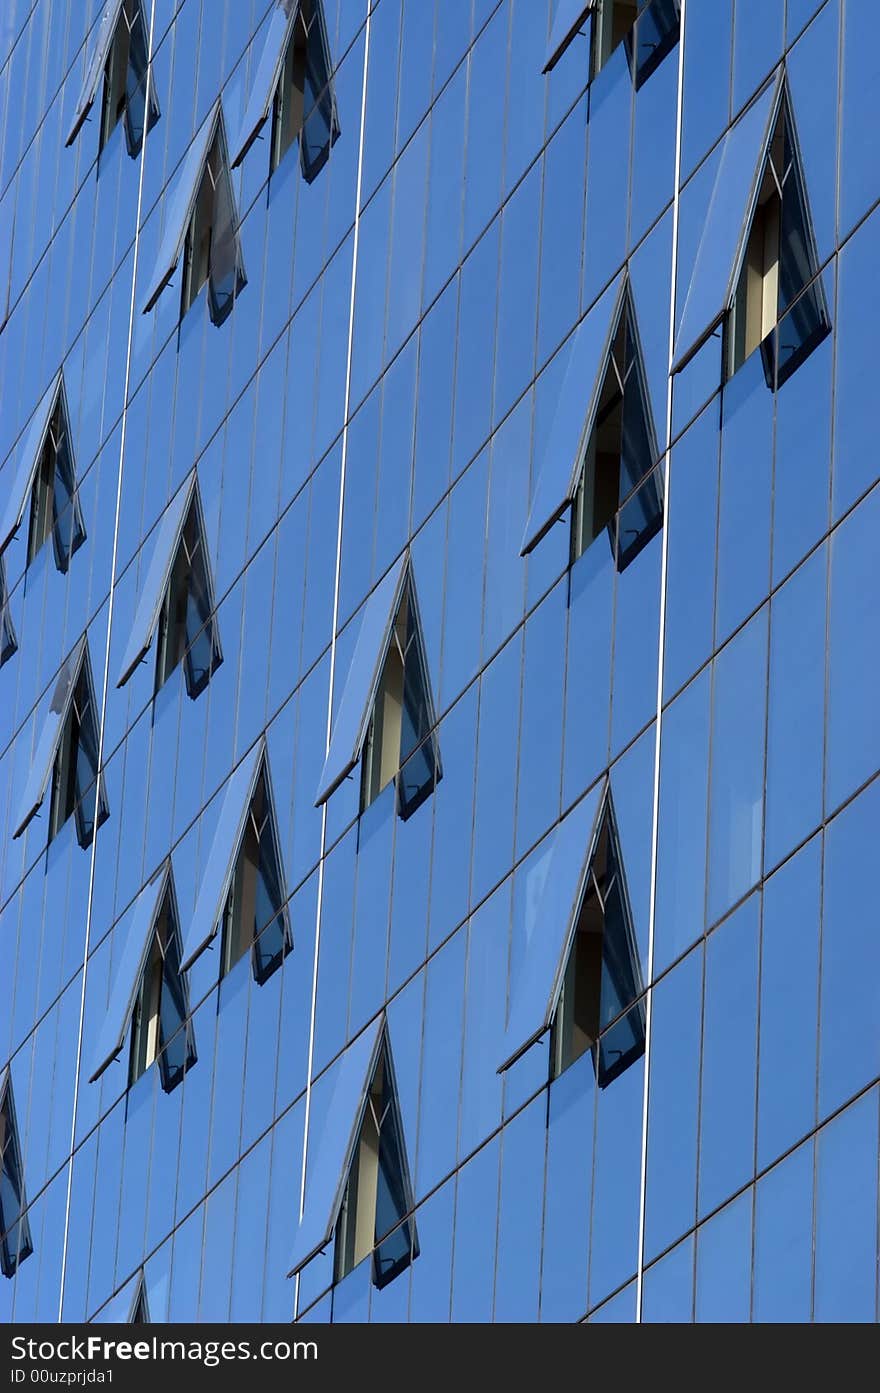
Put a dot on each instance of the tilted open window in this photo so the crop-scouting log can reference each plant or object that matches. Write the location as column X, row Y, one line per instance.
column 148, row 1009
column 15, row 1234
column 242, row 896
column 602, row 447
column 757, row 268
column 66, row 756
column 202, row 228
column 294, row 88
column 120, row 55
column 649, row 28
column 359, row 1191
column 8, row 641
column 580, row 976
column 45, row 483
column 386, row 715
column 129, row 1306
column 177, row 600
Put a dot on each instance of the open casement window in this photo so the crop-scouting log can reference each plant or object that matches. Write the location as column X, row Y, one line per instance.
column 294, row 89
column 598, row 1007
column 649, row 28
column 359, row 1192
column 402, row 719
column 580, row 975
column 129, row 1306
column 602, row 446
column 756, row 271
column 15, row 1234
column 44, row 485
column 202, row 228
column 242, row 896
column 148, row 1012
column 120, row 56
column 177, row 601
column 66, row 757
column 779, row 266
column 8, row 641
column 386, row 715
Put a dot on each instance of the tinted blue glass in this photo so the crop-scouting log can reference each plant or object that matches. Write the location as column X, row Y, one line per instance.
column 860, row 84
column 730, row 1042
column 568, row 18
column 853, row 733
column 846, row 1215
column 736, row 801
column 127, row 978
column 690, row 573
column 849, row 1051
column 570, row 1119
column 745, row 493
column 707, row 59
column 179, row 210
column 714, row 266
column 668, row 1291
column 724, row 1246
column 684, row 783
column 801, row 491
column 784, row 1240
column 520, row 1215
column 29, row 459
column 789, row 992
column 858, row 304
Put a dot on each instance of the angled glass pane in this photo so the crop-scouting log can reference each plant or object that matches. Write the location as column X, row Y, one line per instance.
column 551, row 926
column 28, row 462
column 221, row 859
column 653, row 36
column 68, row 529
column 156, row 582
column 575, row 415
column 727, row 222
column 141, row 106
column 266, row 80
column 180, row 208
column 15, row 1235
column 227, row 276
column 353, row 714
column 320, row 128
column 50, row 738
column 127, row 979
column 95, row 70
column 568, row 18
column 121, row 1308
column 331, row 1154
column 177, row 1048
column 84, row 763
column 8, row 641
column 7, row 223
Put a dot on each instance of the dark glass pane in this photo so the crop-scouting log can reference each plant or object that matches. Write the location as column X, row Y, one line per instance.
column 320, row 127
column 175, row 1038
column 417, row 778
column 226, row 277
column 799, row 332
column 67, row 526
column 394, row 1254
column 639, row 520
column 654, row 36
column 136, row 87
column 416, row 718
column 270, row 932
column 636, row 452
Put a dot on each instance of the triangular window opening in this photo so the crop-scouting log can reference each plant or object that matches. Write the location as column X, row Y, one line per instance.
column 55, row 509
column 255, row 917
column 76, row 765
column 187, row 631
column 140, row 1310
column 780, row 262
column 15, row 1234
column 125, row 81
column 372, row 1218
column 212, row 253
column 8, row 641
column 303, row 107
column 598, row 1007
column 160, row 1028
column 650, row 29
column 399, row 743
column 620, row 454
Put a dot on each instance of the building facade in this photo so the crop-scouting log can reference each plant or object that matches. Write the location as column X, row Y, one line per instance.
column 439, row 734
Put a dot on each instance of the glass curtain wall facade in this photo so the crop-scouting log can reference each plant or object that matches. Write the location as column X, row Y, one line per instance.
column 439, row 731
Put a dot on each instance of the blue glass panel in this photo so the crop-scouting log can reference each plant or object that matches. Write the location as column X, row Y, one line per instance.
column 846, row 1216
column 352, row 716
column 797, row 709
column 859, row 99
column 668, row 1290
column 684, row 779
column 736, row 805
column 29, row 458
column 849, row 1042
column 789, row 992
column 328, row 1171
column 724, row 1249
column 784, row 1240
column 266, row 80
column 726, row 225
column 575, row 414
column 156, row 582
column 94, row 71
column 7, row 209
column 221, row 859
column 179, row 208
column 730, row 1044
column 518, row 1260
column 555, row 900
column 50, row 736
column 129, row 971
column 568, row 1192
column 569, row 17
